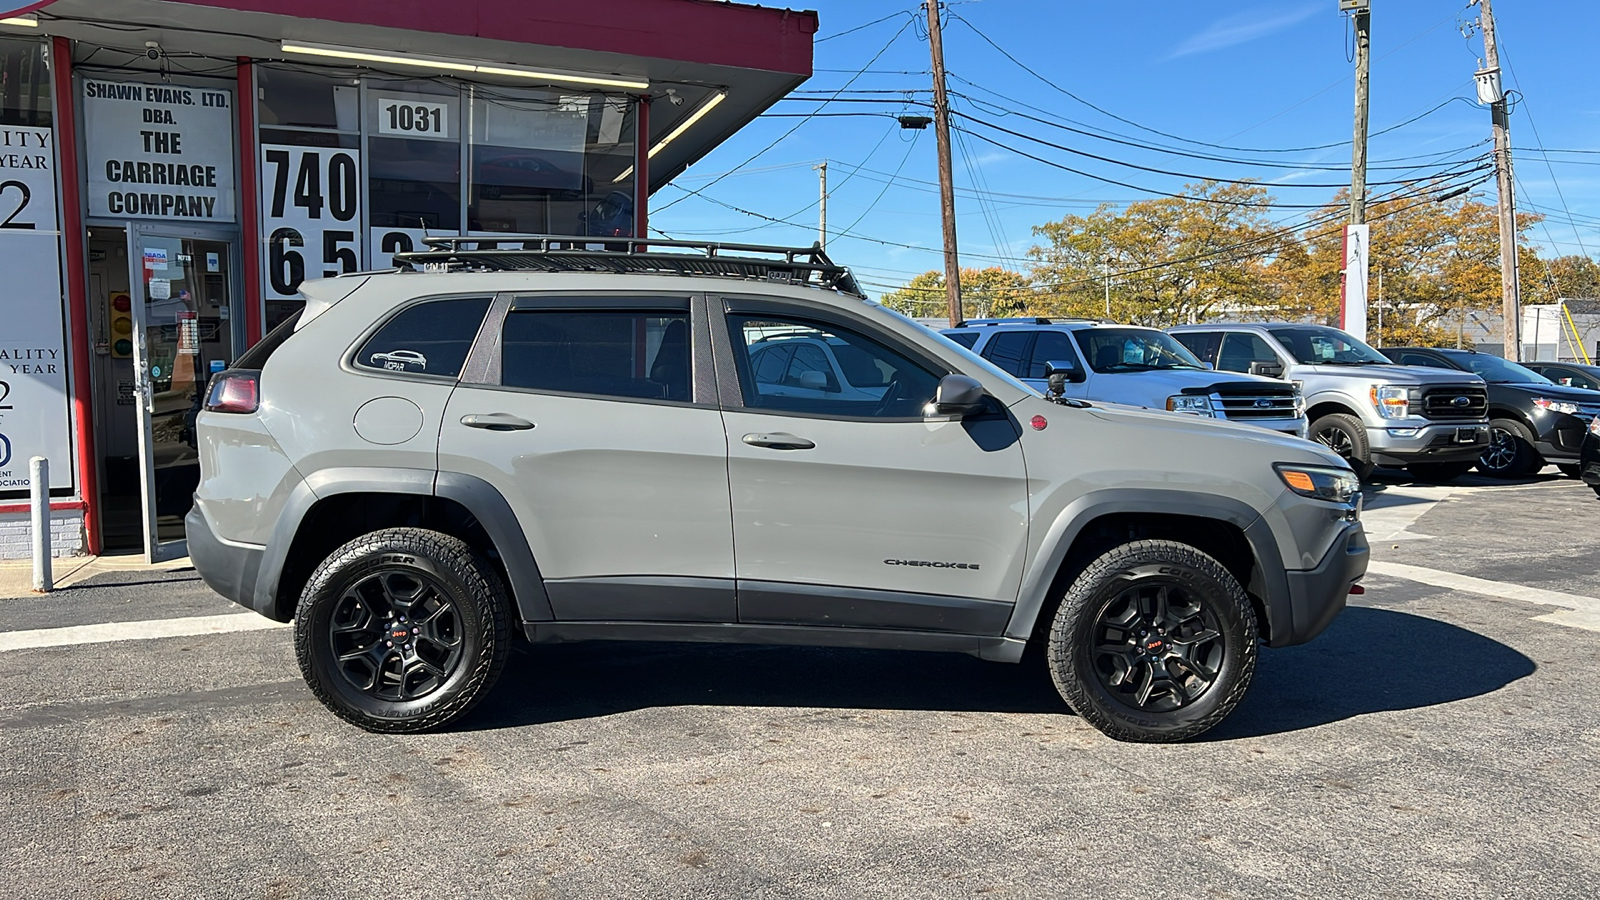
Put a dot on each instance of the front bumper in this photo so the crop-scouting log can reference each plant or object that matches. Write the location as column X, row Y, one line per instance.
column 1400, row 443
column 228, row 568
column 1560, row 437
column 1317, row 595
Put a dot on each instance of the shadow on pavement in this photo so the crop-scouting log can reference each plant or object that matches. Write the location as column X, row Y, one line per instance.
column 1369, row 660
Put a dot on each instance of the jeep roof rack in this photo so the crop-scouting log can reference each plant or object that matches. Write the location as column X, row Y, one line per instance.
column 808, row 266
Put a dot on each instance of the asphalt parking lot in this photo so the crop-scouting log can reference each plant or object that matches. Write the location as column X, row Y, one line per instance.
column 1441, row 739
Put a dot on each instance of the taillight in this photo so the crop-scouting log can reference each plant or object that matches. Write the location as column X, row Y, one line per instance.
column 234, row 392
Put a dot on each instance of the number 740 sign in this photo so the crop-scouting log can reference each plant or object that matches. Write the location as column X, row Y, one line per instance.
column 310, row 215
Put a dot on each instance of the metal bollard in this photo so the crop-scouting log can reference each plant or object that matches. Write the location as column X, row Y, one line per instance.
column 39, row 482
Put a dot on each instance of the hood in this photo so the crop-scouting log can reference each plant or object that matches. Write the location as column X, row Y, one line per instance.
column 1391, row 374
column 1152, row 388
column 1553, row 391
column 1177, row 429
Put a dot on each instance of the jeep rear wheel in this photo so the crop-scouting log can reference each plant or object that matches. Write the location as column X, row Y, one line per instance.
column 402, row 630
column 1154, row 641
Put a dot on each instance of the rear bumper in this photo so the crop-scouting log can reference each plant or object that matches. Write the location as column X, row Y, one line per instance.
column 228, row 568
column 1317, row 595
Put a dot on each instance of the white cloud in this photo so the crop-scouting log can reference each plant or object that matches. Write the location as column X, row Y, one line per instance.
column 1242, row 28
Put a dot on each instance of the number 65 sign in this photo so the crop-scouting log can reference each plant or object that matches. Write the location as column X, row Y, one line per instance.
column 310, row 215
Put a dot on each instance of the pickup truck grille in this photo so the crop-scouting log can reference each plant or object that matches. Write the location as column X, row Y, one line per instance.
column 1254, row 402
column 1445, row 402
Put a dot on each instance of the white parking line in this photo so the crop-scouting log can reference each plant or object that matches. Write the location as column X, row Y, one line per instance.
column 1575, row 611
column 134, row 631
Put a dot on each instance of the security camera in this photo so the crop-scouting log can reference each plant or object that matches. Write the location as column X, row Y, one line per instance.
column 152, row 51
column 673, row 98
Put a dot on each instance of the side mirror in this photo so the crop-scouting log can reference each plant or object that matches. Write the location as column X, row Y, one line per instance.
column 814, row 380
column 1271, row 370
column 1066, row 370
column 958, row 395
column 1207, row 366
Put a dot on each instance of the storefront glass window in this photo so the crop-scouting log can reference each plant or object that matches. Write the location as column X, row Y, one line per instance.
column 24, row 83
column 309, row 109
column 414, row 155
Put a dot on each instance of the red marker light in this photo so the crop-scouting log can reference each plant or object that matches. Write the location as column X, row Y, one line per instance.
column 1038, row 423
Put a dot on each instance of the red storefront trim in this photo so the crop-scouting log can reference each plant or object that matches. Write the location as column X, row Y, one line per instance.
column 722, row 34
column 77, row 288
column 249, row 220
column 55, row 506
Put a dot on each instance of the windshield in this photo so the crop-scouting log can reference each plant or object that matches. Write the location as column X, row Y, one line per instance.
column 1319, row 345
column 1495, row 370
column 1133, row 350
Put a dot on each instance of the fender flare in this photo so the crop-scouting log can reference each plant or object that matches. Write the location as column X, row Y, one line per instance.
column 1269, row 581
column 478, row 497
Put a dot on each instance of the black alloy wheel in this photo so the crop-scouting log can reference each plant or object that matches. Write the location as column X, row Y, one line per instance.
column 1155, row 641
column 1345, row 435
column 402, row 630
column 1157, row 646
column 396, row 634
column 1510, row 453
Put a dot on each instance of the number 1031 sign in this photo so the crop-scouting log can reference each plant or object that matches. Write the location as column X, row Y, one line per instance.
column 311, row 215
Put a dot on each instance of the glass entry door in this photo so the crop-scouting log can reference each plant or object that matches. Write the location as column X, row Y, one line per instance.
column 183, row 290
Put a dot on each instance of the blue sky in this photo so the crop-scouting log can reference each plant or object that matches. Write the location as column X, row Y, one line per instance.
column 1261, row 76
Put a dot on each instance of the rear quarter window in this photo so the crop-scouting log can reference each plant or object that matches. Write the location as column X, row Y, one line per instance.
column 429, row 338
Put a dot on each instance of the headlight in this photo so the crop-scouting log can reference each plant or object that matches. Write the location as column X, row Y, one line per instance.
column 1391, row 401
column 1193, row 404
column 1560, row 406
column 1594, row 426
column 1323, row 483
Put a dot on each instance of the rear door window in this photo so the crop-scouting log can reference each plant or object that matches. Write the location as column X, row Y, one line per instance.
column 1241, row 348
column 1008, row 350
column 637, row 354
column 430, row 338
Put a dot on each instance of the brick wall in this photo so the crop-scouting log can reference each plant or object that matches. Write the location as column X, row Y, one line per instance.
column 66, row 534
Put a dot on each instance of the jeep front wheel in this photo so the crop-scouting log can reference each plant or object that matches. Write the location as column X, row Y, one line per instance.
column 402, row 630
column 1154, row 641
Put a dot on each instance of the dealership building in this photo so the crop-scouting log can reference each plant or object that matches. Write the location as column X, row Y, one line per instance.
column 171, row 170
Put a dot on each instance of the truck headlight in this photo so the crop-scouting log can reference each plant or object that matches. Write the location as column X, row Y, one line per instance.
column 1321, row 482
column 1193, row 404
column 1594, row 426
column 1391, row 401
column 1560, row 406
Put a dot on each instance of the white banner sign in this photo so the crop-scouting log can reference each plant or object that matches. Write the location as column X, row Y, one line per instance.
column 34, row 412
column 159, row 151
column 410, row 116
column 1355, row 280
column 310, row 215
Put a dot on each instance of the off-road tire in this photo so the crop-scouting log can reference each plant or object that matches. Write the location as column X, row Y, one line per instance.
column 1353, row 445
column 1571, row 470
column 458, row 575
column 1521, row 457
column 1101, row 587
column 1439, row 473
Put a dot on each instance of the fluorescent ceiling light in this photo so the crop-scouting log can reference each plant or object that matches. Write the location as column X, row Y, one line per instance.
column 710, row 104
column 459, row 65
column 28, row 21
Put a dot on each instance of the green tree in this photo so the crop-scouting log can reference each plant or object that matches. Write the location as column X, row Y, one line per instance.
column 1169, row 261
column 985, row 293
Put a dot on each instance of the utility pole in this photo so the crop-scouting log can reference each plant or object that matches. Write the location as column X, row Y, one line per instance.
column 822, row 219
column 1105, row 271
column 1358, row 161
column 1490, row 91
column 947, row 192
column 1357, row 255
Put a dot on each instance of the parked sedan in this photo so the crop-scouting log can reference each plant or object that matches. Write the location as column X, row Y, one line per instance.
column 1532, row 420
column 1568, row 374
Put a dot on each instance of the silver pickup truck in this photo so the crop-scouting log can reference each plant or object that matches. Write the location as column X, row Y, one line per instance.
column 1433, row 422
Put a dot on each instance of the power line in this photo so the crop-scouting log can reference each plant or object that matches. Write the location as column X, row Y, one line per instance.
column 1528, row 110
column 884, row 49
column 841, row 34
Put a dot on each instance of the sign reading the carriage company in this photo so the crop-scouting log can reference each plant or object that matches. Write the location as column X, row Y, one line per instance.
column 159, row 151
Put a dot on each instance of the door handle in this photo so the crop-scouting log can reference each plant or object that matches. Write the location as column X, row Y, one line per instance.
column 496, row 422
column 778, row 440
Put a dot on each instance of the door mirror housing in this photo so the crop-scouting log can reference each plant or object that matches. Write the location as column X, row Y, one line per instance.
column 959, row 395
column 1069, row 372
column 814, row 381
column 1271, row 370
column 1207, row 366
